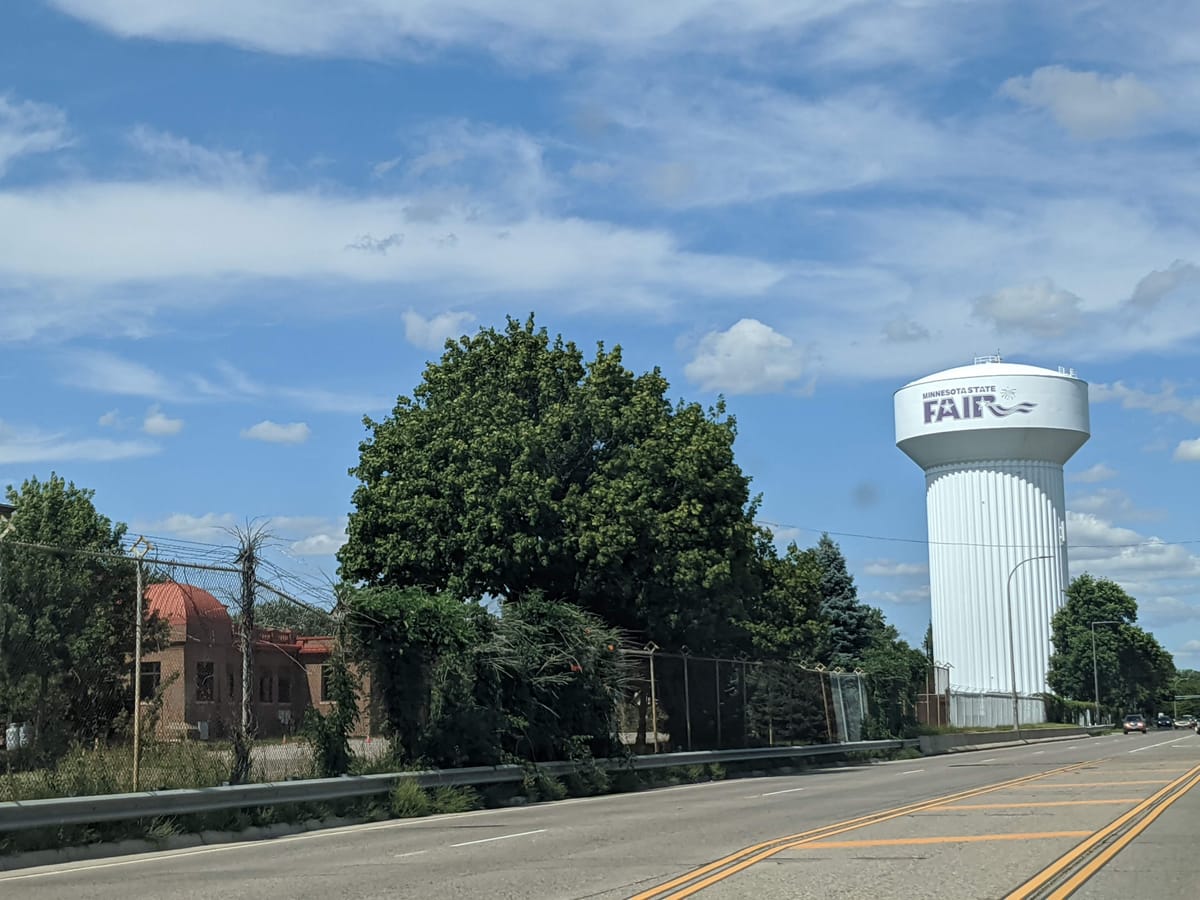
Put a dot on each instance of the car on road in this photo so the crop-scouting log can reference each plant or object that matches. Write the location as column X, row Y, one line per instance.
column 1163, row 721
column 1185, row 722
column 1134, row 723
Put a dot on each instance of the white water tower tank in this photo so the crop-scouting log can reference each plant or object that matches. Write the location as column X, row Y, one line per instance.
column 992, row 438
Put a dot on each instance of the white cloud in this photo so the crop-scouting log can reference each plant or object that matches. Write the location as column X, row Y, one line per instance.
column 302, row 535
column 748, row 358
column 27, row 127
column 31, row 445
column 1110, row 503
column 431, row 333
column 110, row 374
column 1087, row 104
column 524, row 31
column 159, row 424
column 180, row 242
column 1140, row 563
column 1038, row 308
column 1162, row 402
column 275, row 433
column 1188, row 451
column 1094, row 474
column 319, row 544
column 110, row 419
column 907, row 597
column 889, row 568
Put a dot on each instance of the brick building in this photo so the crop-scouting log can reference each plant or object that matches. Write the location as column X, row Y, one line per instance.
column 197, row 677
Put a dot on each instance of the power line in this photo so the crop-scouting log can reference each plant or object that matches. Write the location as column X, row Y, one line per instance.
column 927, row 542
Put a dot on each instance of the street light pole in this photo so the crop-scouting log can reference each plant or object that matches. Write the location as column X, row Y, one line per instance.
column 1012, row 641
column 1095, row 667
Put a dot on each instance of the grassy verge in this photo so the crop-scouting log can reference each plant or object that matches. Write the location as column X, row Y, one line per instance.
column 408, row 800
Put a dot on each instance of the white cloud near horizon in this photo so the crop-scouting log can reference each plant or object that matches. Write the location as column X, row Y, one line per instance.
column 277, row 433
column 302, row 535
column 1088, row 104
column 747, row 358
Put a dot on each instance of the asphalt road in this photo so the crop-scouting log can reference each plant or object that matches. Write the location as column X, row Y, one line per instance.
column 984, row 823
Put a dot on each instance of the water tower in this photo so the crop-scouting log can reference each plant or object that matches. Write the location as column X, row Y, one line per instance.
column 992, row 438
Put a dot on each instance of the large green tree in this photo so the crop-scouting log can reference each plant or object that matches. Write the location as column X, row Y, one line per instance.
column 67, row 617
column 518, row 468
column 1136, row 673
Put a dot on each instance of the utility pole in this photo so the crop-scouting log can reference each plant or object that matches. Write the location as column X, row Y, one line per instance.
column 250, row 542
column 139, row 550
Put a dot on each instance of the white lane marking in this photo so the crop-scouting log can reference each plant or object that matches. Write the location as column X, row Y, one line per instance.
column 69, row 868
column 503, row 837
column 777, row 793
column 1159, row 744
column 1038, row 752
column 412, row 853
column 993, row 759
column 913, row 772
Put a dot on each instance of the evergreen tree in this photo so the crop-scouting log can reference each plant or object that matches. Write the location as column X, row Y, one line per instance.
column 851, row 624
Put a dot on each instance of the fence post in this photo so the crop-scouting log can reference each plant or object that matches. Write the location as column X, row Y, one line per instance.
column 770, row 709
column 825, row 703
column 139, row 549
column 687, row 698
column 717, row 682
column 745, row 710
column 653, row 695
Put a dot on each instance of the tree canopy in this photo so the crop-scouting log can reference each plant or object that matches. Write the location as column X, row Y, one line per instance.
column 1135, row 672
column 517, row 467
column 66, row 616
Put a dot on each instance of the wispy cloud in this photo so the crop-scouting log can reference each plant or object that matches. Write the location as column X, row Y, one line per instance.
column 1165, row 401
column 173, row 156
column 27, row 127
column 1094, row 474
column 31, row 445
column 108, row 373
column 889, row 568
column 276, row 433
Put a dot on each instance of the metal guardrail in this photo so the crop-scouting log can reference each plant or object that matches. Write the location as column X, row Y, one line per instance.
column 63, row 811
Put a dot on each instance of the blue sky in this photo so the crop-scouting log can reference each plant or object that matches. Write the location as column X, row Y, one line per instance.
column 230, row 229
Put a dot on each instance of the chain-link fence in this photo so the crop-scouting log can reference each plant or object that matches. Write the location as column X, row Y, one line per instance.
column 95, row 698
column 687, row 702
column 215, row 700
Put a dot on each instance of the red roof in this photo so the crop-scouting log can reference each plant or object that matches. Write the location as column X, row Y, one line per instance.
column 180, row 604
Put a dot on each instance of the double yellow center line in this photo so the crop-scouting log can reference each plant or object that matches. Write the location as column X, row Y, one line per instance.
column 1127, row 827
column 707, row 875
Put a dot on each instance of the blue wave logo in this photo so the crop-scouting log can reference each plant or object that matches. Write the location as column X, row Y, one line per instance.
column 997, row 410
